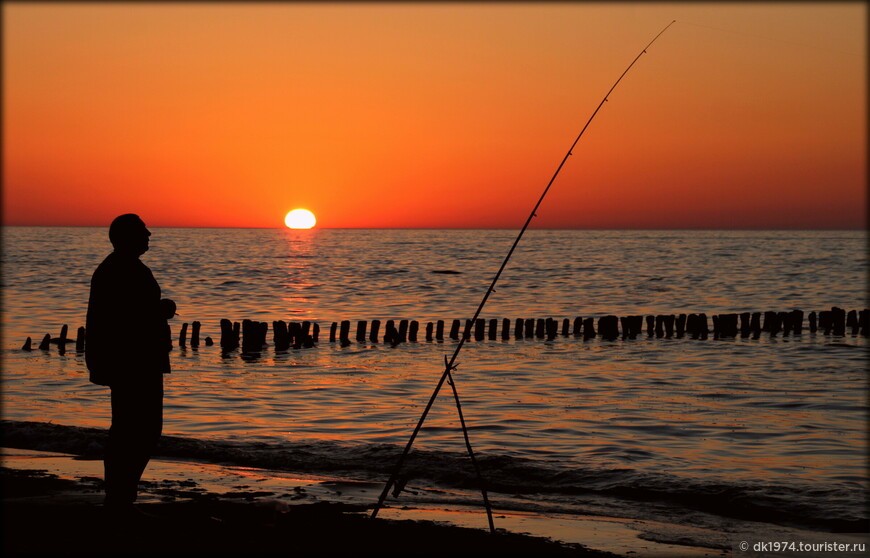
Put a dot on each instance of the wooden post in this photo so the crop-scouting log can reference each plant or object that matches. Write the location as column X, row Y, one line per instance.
column 248, row 337
column 715, row 326
column 852, row 321
column 46, row 343
column 61, row 344
column 493, row 329
column 429, row 327
column 744, row 324
column 825, row 321
column 279, row 335
column 578, row 326
column 315, row 332
column 650, row 326
column 390, row 334
column 479, row 329
column 864, row 321
column 540, row 328
column 552, row 327
column 769, row 319
column 466, row 333
column 332, row 329
column 182, row 337
column 702, row 325
column 755, row 325
column 784, row 319
column 194, row 334
column 361, row 331
column 669, row 325
column 566, row 327
column 607, row 327
column 518, row 328
column 344, row 331
column 588, row 328
column 797, row 321
column 692, row 326
column 626, row 326
column 529, row 328
column 227, row 343
column 373, row 335
column 80, row 340
column 812, row 321
column 454, row 330
column 439, row 330
column 681, row 325
column 838, row 316
column 403, row 331
column 27, row 345
column 413, row 327
column 506, row 328
column 660, row 325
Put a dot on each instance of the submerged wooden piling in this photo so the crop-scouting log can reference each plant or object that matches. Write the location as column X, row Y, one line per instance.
column 373, row 335
column 194, row 334
column 429, row 328
column 439, row 330
column 797, row 321
column 413, row 328
column 493, row 329
column 182, row 336
column 681, row 325
column 27, row 345
column 506, row 328
column 80, row 340
column 608, row 327
column 577, row 330
column 588, row 328
column 361, row 331
column 46, row 343
column 479, row 329
column 454, row 330
column 838, row 317
column 552, row 328
column 61, row 342
column 744, row 324
column 826, row 321
column 229, row 335
column 812, row 322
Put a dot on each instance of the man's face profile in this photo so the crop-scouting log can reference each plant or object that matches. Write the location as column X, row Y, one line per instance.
column 129, row 234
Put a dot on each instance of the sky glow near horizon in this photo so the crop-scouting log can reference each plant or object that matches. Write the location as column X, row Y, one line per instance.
column 444, row 115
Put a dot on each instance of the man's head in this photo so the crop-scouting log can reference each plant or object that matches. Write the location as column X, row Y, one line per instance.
column 129, row 234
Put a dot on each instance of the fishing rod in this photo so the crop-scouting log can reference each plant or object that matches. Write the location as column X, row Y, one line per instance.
column 450, row 365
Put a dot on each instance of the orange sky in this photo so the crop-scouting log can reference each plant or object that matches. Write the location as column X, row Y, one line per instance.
column 435, row 115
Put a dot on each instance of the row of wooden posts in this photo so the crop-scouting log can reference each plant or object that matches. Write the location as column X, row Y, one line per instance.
column 251, row 335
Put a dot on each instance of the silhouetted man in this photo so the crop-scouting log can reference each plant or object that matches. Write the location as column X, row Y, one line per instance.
column 127, row 349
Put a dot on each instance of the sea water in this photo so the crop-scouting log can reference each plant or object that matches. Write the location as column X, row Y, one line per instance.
column 771, row 428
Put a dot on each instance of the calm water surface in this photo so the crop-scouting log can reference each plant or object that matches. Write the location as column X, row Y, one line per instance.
column 775, row 420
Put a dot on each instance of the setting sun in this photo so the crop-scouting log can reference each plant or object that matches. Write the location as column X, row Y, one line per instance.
column 300, row 219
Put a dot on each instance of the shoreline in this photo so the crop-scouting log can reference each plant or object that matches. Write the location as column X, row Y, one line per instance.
column 48, row 492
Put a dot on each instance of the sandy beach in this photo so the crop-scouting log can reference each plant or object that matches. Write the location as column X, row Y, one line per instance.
column 52, row 506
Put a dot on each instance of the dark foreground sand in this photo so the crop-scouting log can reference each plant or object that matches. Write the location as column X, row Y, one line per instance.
column 44, row 515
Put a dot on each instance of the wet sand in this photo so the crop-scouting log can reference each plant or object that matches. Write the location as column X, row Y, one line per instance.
column 52, row 507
